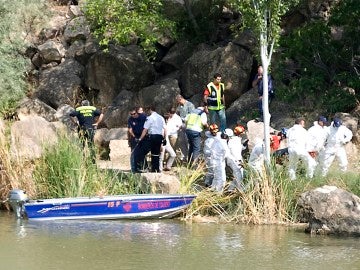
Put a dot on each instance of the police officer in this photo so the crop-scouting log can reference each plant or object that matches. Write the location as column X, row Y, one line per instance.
column 155, row 130
column 87, row 118
column 135, row 127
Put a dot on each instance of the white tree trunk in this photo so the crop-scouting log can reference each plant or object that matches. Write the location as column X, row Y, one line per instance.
column 265, row 60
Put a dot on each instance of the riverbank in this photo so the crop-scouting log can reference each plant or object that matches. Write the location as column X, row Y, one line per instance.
column 62, row 172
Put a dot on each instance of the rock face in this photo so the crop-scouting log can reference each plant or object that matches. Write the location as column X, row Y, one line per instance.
column 30, row 136
column 69, row 66
column 232, row 61
column 330, row 210
column 60, row 85
column 36, row 107
column 117, row 70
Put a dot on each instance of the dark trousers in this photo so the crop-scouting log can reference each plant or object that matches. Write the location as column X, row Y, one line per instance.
column 134, row 144
column 87, row 138
column 151, row 144
column 194, row 139
column 270, row 98
column 140, row 151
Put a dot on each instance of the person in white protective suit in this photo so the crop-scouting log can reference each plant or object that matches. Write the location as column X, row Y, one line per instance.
column 233, row 158
column 256, row 158
column 338, row 136
column 297, row 142
column 214, row 153
column 317, row 137
column 237, row 143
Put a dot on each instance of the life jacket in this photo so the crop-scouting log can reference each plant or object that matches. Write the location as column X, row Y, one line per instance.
column 214, row 98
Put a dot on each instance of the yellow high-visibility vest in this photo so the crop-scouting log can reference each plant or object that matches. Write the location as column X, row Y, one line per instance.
column 86, row 110
column 194, row 122
column 214, row 98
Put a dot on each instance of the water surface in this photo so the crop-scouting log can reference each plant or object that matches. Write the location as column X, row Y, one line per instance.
column 167, row 244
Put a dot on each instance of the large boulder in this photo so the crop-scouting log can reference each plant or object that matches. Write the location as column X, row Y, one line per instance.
column 330, row 210
column 243, row 109
column 233, row 62
column 246, row 39
column 61, row 84
column 30, row 136
column 175, row 57
column 82, row 50
column 76, row 29
column 63, row 115
column 117, row 113
column 308, row 10
column 103, row 138
column 36, row 107
column 162, row 94
column 162, row 183
column 120, row 154
column 51, row 51
column 119, row 69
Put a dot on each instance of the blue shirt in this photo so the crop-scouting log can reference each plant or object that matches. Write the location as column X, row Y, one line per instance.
column 137, row 124
column 260, row 85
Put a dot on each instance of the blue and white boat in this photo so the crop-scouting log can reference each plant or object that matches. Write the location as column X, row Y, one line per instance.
column 107, row 207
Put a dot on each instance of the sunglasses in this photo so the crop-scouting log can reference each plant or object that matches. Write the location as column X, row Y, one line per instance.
column 133, row 113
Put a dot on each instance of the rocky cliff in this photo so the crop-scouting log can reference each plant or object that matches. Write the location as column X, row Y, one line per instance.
column 69, row 66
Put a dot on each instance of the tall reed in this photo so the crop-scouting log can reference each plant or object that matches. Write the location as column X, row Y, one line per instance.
column 267, row 200
column 15, row 171
column 67, row 170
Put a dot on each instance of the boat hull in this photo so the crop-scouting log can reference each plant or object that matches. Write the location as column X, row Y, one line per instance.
column 109, row 207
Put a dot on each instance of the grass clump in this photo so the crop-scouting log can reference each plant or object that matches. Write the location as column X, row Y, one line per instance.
column 267, row 200
column 67, row 170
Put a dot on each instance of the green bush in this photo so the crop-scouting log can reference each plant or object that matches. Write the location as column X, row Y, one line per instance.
column 18, row 20
column 126, row 22
column 318, row 70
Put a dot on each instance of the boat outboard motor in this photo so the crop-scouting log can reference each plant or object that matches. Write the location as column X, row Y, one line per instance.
column 17, row 199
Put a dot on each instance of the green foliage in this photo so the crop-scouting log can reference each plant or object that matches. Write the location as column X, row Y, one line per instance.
column 263, row 17
column 124, row 22
column 199, row 20
column 18, row 20
column 325, row 70
column 67, row 171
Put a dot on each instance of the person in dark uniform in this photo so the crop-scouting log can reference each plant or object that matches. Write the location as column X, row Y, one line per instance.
column 135, row 127
column 87, row 118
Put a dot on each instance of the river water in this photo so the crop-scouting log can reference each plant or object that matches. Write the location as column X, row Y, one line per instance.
column 167, row 244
